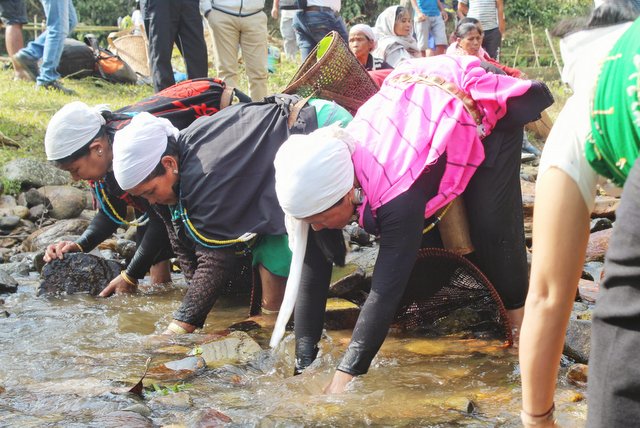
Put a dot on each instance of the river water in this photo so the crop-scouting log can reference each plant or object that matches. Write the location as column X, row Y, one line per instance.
column 67, row 361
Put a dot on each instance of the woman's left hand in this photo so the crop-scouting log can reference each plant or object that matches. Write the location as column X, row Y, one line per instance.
column 338, row 383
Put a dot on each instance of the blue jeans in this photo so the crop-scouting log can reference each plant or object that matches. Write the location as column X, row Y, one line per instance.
column 61, row 19
column 311, row 27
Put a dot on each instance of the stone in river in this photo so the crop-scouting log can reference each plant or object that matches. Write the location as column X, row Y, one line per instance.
column 236, row 347
column 77, row 273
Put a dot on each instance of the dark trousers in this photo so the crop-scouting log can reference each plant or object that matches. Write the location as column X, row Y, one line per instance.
column 614, row 372
column 174, row 21
column 492, row 41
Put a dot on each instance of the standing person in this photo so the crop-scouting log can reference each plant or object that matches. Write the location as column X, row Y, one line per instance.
column 14, row 16
column 565, row 194
column 395, row 166
column 362, row 41
column 217, row 178
column 239, row 24
column 286, row 29
column 174, row 21
column 490, row 13
column 315, row 21
column 429, row 20
column 61, row 19
column 393, row 31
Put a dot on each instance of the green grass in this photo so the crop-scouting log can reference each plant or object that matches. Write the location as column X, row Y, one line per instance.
column 25, row 111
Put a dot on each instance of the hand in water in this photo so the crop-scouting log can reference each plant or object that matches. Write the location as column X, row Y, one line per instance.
column 118, row 286
column 57, row 250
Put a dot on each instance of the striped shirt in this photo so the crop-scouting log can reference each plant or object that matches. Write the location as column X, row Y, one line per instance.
column 484, row 11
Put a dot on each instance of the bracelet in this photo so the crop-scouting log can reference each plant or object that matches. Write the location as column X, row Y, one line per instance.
column 128, row 279
column 177, row 329
column 268, row 312
column 79, row 246
column 532, row 420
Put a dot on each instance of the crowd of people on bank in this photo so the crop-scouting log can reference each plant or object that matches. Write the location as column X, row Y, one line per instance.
column 271, row 180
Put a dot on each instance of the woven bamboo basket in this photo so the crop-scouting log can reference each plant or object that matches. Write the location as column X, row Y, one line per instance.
column 332, row 72
column 132, row 48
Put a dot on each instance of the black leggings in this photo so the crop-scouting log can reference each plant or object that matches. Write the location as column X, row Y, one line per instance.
column 400, row 222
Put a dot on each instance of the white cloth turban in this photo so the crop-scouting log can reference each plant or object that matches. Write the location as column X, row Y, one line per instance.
column 312, row 173
column 138, row 148
column 366, row 30
column 71, row 128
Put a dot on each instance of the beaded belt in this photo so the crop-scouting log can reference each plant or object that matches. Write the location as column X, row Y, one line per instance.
column 450, row 88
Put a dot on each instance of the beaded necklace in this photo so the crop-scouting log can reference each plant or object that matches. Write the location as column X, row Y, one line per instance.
column 102, row 198
column 180, row 213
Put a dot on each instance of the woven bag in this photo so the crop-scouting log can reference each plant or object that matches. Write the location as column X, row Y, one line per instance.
column 132, row 48
column 332, row 72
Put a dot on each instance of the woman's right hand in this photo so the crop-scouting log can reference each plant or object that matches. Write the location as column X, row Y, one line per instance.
column 420, row 17
column 57, row 250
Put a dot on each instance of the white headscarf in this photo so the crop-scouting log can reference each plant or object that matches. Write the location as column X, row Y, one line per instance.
column 387, row 37
column 312, row 173
column 71, row 128
column 366, row 30
column 138, row 148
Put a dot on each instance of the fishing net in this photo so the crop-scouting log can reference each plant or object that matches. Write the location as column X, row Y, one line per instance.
column 447, row 291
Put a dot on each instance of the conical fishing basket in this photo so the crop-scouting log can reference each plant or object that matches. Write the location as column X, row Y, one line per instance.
column 332, row 72
column 132, row 48
column 448, row 290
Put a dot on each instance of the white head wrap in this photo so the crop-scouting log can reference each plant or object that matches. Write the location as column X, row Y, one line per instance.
column 138, row 148
column 312, row 173
column 71, row 128
column 366, row 30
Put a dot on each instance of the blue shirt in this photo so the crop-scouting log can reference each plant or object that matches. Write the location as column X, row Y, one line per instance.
column 429, row 7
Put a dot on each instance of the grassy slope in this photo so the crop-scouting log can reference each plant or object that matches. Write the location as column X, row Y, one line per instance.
column 25, row 111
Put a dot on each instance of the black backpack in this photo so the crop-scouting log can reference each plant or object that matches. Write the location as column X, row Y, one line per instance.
column 77, row 60
column 108, row 65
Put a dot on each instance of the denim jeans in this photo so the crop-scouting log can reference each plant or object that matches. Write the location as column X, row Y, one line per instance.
column 311, row 27
column 61, row 19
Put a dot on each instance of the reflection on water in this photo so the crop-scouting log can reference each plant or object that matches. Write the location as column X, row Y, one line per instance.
column 65, row 362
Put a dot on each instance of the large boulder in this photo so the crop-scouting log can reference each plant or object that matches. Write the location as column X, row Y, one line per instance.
column 77, row 273
column 66, row 201
column 39, row 239
column 598, row 245
column 34, row 173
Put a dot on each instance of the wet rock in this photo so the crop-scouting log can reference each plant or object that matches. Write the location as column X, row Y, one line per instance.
column 7, row 201
column 36, row 212
column 601, row 223
column 605, row 206
column 77, row 273
column 211, row 418
column 357, row 235
column 33, row 173
column 4, row 314
column 8, row 242
column 460, row 404
column 346, row 284
column 38, row 261
column 125, row 248
column 66, row 201
column 39, row 239
column 340, row 314
column 578, row 340
column 236, row 347
column 174, row 371
column 578, row 374
column 32, row 197
column 21, row 268
column 9, row 222
column 7, row 283
column 5, row 254
column 179, row 400
column 598, row 244
column 140, row 409
column 122, row 418
column 588, row 290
